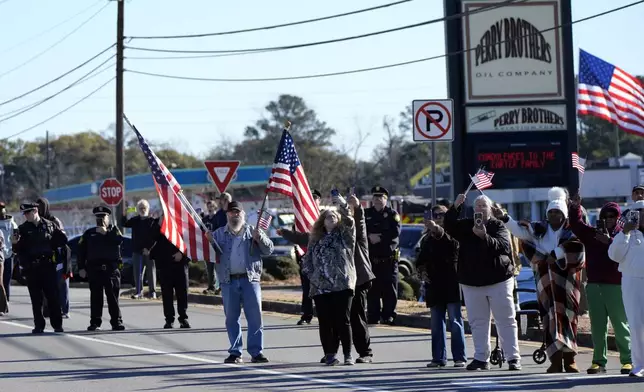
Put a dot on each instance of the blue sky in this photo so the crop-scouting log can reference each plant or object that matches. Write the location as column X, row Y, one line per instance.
column 195, row 116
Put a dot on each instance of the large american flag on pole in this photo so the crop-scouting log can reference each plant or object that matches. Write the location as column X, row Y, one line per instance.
column 178, row 225
column 608, row 92
column 288, row 178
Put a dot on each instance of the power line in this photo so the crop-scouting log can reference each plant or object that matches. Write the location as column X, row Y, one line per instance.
column 82, row 79
column 56, row 43
column 61, row 112
column 314, row 76
column 272, row 26
column 336, row 40
column 57, row 78
column 49, row 29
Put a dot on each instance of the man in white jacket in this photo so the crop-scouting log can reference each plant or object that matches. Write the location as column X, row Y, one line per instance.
column 627, row 249
column 7, row 226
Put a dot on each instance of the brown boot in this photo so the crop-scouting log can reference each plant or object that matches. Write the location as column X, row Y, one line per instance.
column 555, row 363
column 569, row 362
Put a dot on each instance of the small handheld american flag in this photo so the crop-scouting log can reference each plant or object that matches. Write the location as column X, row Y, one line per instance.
column 483, row 179
column 264, row 219
column 576, row 163
column 619, row 225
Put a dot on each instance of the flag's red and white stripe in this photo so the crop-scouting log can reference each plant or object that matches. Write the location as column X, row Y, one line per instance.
column 576, row 163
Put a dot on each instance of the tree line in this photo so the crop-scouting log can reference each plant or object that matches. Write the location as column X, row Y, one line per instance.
column 90, row 155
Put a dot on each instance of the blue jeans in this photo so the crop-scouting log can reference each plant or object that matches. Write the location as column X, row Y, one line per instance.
column 63, row 291
column 240, row 292
column 6, row 278
column 439, row 340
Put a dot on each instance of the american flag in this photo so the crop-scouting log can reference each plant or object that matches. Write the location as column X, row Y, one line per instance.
column 619, row 225
column 607, row 92
column 483, row 179
column 288, row 178
column 178, row 226
column 264, row 220
column 576, row 162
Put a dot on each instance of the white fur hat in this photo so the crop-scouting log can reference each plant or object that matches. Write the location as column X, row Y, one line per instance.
column 558, row 199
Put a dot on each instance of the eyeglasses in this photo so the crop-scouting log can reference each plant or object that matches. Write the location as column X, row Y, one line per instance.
column 439, row 215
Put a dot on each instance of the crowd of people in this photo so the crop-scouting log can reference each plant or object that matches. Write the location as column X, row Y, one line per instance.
column 349, row 263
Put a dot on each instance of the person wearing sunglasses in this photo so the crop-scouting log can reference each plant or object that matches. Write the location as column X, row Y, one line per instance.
column 437, row 262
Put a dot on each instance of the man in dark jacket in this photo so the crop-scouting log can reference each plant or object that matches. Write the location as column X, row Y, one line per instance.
column 141, row 226
column 437, row 260
column 604, row 288
column 173, row 266
column 62, row 275
column 486, row 273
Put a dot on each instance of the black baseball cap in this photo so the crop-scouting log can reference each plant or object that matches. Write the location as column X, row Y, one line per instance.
column 235, row 206
column 638, row 188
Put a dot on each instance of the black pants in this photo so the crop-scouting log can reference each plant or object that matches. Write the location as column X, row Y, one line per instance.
column 334, row 319
column 108, row 281
column 41, row 281
column 307, row 302
column 174, row 281
column 384, row 287
column 359, row 327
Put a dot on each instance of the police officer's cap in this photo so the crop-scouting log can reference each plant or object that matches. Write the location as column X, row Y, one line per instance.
column 101, row 210
column 26, row 207
column 638, row 188
column 379, row 191
column 317, row 194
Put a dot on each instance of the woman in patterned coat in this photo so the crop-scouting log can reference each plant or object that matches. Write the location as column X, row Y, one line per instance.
column 557, row 257
column 330, row 267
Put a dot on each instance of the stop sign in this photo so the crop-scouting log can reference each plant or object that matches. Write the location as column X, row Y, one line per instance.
column 111, row 192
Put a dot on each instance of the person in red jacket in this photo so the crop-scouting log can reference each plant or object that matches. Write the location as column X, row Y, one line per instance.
column 604, row 289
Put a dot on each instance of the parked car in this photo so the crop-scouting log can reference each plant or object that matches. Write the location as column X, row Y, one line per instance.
column 282, row 248
column 410, row 235
column 127, row 275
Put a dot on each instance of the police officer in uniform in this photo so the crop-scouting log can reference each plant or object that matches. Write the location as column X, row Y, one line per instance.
column 383, row 230
column 99, row 258
column 35, row 243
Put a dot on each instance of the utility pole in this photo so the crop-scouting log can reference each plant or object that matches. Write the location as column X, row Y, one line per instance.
column 120, row 168
column 48, row 165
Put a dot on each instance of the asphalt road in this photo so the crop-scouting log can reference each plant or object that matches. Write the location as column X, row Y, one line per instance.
column 146, row 357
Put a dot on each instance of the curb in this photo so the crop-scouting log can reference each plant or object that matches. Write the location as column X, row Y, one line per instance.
column 402, row 320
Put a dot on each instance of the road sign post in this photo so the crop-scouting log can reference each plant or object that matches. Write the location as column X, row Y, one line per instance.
column 222, row 172
column 432, row 122
column 111, row 192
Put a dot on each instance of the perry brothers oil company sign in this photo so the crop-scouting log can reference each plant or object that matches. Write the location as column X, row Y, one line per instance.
column 509, row 55
column 516, row 118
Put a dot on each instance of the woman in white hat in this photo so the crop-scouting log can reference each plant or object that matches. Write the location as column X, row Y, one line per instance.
column 557, row 257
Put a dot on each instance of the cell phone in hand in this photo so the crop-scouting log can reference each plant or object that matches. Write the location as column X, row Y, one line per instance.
column 427, row 215
column 601, row 225
column 478, row 219
column 335, row 192
column 633, row 217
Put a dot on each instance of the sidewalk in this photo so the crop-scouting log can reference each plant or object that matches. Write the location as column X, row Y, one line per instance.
column 283, row 298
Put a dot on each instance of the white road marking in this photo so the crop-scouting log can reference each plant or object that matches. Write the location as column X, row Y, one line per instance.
column 210, row 361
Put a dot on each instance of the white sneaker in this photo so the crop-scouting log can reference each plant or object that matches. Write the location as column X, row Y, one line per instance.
column 459, row 364
column 154, row 295
column 1, row 313
column 66, row 315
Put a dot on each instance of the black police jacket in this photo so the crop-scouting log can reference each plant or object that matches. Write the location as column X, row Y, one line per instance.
column 39, row 241
column 96, row 249
column 387, row 224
